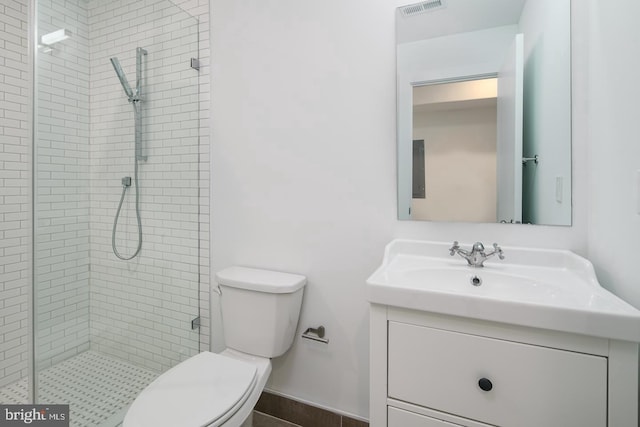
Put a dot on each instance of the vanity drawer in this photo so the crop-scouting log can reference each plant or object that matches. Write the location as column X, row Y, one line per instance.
column 401, row 418
column 397, row 417
column 526, row 385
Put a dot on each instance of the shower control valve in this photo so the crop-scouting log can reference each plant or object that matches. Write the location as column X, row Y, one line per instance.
column 126, row 181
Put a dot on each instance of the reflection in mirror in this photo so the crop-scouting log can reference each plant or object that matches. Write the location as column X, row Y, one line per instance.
column 484, row 111
column 459, row 122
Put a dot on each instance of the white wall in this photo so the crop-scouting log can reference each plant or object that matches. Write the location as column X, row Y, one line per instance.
column 304, row 174
column 15, row 183
column 614, row 151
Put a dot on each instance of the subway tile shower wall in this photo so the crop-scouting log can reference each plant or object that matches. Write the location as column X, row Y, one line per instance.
column 15, row 182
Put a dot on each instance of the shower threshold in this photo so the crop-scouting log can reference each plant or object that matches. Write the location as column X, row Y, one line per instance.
column 98, row 388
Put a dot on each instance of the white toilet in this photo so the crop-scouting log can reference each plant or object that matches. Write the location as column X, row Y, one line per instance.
column 260, row 311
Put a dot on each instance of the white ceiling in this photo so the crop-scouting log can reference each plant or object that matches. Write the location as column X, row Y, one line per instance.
column 458, row 16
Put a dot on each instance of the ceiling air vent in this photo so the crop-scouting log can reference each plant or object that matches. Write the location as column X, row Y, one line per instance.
column 423, row 7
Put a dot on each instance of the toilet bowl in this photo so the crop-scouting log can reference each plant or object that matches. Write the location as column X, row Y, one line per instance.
column 221, row 389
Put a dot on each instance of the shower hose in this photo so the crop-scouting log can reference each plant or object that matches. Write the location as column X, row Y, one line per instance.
column 115, row 221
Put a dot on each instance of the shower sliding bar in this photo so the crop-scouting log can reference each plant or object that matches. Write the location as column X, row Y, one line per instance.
column 138, row 125
column 134, row 97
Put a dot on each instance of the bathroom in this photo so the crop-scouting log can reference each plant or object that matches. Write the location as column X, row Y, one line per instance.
column 293, row 98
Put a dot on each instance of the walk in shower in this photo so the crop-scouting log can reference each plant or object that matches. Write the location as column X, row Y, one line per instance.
column 116, row 205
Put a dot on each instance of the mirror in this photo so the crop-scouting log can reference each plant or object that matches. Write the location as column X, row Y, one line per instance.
column 484, row 111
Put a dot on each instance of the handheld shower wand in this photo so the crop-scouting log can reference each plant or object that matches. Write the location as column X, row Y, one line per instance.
column 122, row 77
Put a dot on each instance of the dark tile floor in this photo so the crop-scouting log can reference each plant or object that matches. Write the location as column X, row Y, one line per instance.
column 263, row 420
column 300, row 414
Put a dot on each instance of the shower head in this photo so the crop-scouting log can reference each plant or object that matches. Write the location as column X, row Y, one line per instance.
column 122, row 77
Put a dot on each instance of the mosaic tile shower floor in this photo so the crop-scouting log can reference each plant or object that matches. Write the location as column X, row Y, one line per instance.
column 98, row 388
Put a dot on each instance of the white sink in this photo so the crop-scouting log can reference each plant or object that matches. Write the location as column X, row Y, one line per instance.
column 542, row 288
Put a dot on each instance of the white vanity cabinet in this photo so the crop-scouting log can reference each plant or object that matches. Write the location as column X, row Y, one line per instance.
column 435, row 370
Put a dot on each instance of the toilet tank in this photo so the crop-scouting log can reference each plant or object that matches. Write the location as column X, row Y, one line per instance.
column 260, row 309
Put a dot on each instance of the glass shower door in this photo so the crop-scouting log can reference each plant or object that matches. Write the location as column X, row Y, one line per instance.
column 106, row 327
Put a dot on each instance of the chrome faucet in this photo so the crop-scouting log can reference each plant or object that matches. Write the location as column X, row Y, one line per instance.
column 477, row 256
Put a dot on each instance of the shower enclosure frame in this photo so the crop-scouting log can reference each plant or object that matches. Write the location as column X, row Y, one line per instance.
column 32, row 381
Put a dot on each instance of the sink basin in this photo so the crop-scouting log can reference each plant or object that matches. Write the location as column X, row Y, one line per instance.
column 542, row 288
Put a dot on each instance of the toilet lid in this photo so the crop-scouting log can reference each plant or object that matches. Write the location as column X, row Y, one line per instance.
column 205, row 389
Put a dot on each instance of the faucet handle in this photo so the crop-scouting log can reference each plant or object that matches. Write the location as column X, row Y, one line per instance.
column 497, row 249
column 454, row 248
column 478, row 247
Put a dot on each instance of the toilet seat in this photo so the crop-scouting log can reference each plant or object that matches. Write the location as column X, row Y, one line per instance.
column 204, row 390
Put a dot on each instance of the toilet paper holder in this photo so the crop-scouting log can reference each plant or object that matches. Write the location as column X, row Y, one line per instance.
column 315, row 334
